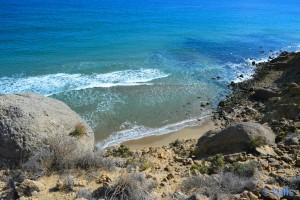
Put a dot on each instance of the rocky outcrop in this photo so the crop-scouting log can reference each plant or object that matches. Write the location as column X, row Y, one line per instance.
column 28, row 121
column 264, row 94
column 236, row 138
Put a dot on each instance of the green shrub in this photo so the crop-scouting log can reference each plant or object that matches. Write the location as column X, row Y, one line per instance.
column 122, row 151
column 246, row 169
column 202, row 168
column 257, row 143
column 80, row 130
column 146, row 164
column 176, row 143
column 217, row 163
column 219, row 160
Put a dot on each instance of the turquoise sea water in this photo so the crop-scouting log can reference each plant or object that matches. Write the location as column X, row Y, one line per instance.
column 134, row 68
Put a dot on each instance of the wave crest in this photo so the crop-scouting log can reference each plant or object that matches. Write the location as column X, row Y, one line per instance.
column 56, row 83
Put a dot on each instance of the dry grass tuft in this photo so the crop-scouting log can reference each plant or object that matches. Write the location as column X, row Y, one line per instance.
column 131, row 186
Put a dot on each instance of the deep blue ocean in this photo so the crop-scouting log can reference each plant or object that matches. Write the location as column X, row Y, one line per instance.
column 139, row 67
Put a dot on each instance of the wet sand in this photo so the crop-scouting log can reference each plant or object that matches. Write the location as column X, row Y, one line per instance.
column 164, row 140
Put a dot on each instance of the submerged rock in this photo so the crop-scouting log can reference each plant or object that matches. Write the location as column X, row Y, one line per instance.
column 28, row 120
column 236, row 138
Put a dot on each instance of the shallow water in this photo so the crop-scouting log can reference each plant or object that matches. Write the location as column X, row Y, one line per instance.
column 135, row 68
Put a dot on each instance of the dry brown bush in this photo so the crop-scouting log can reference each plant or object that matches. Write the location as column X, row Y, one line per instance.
column 130, row 186
column 221, row 186
column 62, row 154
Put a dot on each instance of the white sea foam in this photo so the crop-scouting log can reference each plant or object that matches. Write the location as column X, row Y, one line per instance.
column 137, row 132
column 62, row 82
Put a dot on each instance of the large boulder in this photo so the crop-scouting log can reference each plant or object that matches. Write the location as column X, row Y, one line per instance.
column 236, row 138
column 28, row 121
column 264, row 94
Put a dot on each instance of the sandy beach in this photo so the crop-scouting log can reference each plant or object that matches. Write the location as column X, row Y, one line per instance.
column 194, row 132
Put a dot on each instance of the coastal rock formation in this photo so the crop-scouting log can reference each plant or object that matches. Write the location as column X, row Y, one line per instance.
column 235, row 138
column 28, row 120
column 264, row 94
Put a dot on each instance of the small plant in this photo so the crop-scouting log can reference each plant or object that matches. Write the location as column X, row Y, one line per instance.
column 130, row 186
column 246, row 169
column 122, row 151
column 217, row 163
column 219, row 159
column 223, row 186
column 202, row 168
column 176, row 143
column 80, row 130
column 257, row 143
column 146, row 164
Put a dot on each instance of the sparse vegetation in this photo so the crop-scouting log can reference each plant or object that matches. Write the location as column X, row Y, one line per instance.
column 202, row 168
column 176, row 143
column 130, row 186
column 146, row 164
column 244, row 169
column 122, row 151
column 257, row 143
column 63, row 154
column 217, row 163
column 223, row 186
column 80, row 130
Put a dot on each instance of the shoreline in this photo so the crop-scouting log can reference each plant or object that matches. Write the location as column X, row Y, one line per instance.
column 217, row 120
column 270, row 102
column 191, row 132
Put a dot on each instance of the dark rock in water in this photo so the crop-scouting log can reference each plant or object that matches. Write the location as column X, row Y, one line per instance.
column 264, row 94
column 222, row 103
column 28, row 120
column 216, row 78
column 241, row 76
column 253, row 62
column 236, row 138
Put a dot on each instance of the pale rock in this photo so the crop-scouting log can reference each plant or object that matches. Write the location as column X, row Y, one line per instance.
column 80, row 182
column 28, row 121
column 233, row 139
column 286, row 158
column 266, row 150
